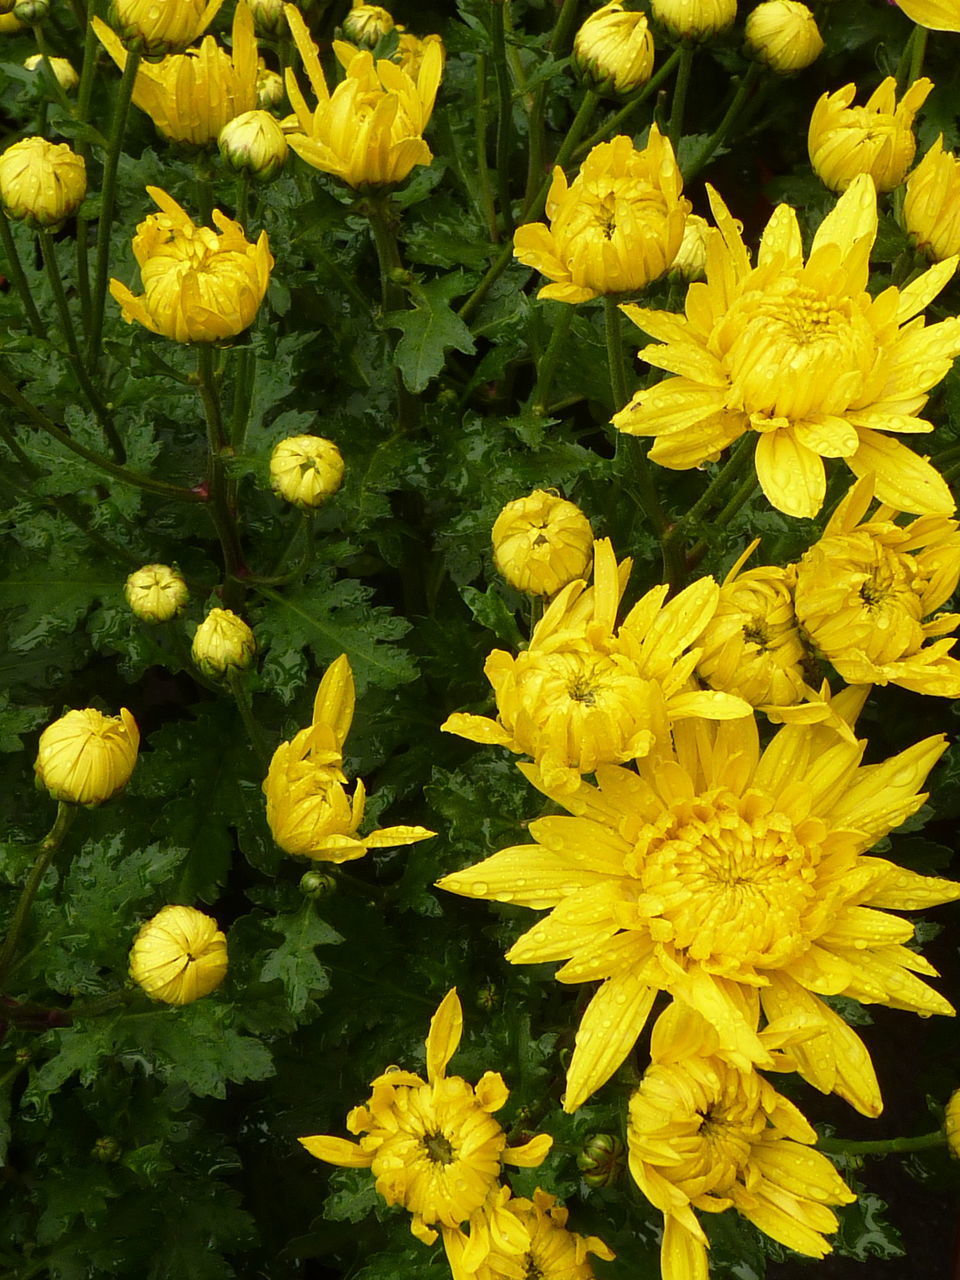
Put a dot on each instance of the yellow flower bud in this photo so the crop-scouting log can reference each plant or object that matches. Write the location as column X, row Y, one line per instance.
column 62, row 69
column 411, row 50
column 41, row 183
column 542, row 542
column 366, row 24
column 845, row 141
column 691, row 260
column 179, row 956
column 86, row 757
column 694, row 19
column 156, row 593
column 951, row 1124
column 784, row 35
column 198, row 286
column 268, row 19
column 306, row 470
column 255, row 142
column 223, row 643
column 269, row 88
column 614, row 49
column 158, row 27
column 931, row 207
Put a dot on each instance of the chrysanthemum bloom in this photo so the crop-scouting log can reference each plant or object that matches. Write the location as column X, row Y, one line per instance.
column 694, row 19
column 86, row 757
column 614, row 49
column 306, row 470
column 845, row 141
column 801, row 354
column 198, row 285
column 935, row 15
column 366, row 24
column 369, row 131
column 191, row 96
column 691, row 260
column 705, row 1135
column 41, row 183
column 734, row 880
column 412, row 49
column 784, row 35
column 542, row 542
column 931, row 206
column 615, row 228
column 156, row 593
column 435, row 1149
column 308, row 809
column 582, row 694
column 62, row 69
column 254, row 142
column 223, row 643
column 157, row 27
column 868, row 592
column 951, row 1123
column 179, row 956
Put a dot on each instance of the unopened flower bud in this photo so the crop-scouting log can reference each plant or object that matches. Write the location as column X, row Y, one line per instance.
column 23, row 1056
column 366, row 24
column 159, row 27
column 270, row 89
column 41, row 183
column 931, row 207
column 488, row 997
column 542, row 542
column 156, row 593
column 223, row 643
column 31, row 11
column 6, row 11
column 614, row 49
column 317, row 884
column 254, row 141
column 691, row 260
column 601, row 1160
column 179, row 956
column 306, row 470
column 694, row 19
column 268, row 18
column 86, row 757
column 62, row 69
column 106, row 1150
column 784, row 35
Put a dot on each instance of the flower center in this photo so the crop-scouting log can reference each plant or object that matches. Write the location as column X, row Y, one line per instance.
column 438, row 1148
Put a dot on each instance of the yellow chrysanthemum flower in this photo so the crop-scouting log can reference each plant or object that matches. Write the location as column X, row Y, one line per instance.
column 614, row 50
column 734, row 880
column 801, row 354
column 86, row 757
column 41, row 183
column 435, row 1149
column 615, row 228
column 541, row 542
column 156, row 593
column 694, row 19
column 931, row 206
column 146, row 26
column 845, row 141
column 783, row 34
column 584, row 694
column 935, row 15
column 868, row 592
column 705, row 1135
column 179, row 956
column 366, row 24
column 369, row 131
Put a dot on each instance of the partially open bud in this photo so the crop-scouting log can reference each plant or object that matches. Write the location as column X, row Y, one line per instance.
column 156, row 593
column 62, row 69
column 784, row 35
column 179, row 956
column 931, row 207
column 306, row 470
column 542, row 542
column 691, row 260
column 366, row 24
column 694, row 19
column 270, row 89
column 223, row 643
column 41, row 183
column 614, row 49
column 317, row 884
column 845, row 141
column 254, row 141
column 86, row 757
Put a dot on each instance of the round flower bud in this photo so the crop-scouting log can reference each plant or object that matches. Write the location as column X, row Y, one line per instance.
column 106, row 1150
column 179, row 956
column 170, row 26
column 951, row 1124
column 270, row 89
column 62, row 69
column 268, row 19
column 784, row 35
column 694, row 19
column 306, row 470
column 542, row 542
column 156, row 593
column 600, row 1160
column 254, row 141
column 691, row 260
column 223, row 643
column 614, row 49
column 931, row 207
column 31, row 11
column 41, row 183
column 366, row 24
column 845, row 141
column 317, row 884
column 86, row 757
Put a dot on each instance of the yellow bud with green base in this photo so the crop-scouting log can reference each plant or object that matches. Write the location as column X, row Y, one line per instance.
column 86, row 757
column 784, row 35
column 306, row 470
column 223, row 643
column 694, row 20
column 41, row 183
column 156, row 593
column 613, row 50
column 254, row 142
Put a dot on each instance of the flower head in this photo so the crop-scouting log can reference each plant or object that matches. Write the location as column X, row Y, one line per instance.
column 784, row 35
column 179, row 956
column 254, row 142
column 931, row 206
column 369, row 131
column 146, row 26
column 156, row 593
column 694, row 19
column 223, row 643
column 614, row 49
column 615, row 228
column 41, row 183
column 199, row 286
column 306, row 470
column 366, row 24
column 62, row 69
column 542, row 542
column 845, row 141
column 86, row 757
column 270, row 88
column 411, row 50
column 800, row 353
column 935, row 15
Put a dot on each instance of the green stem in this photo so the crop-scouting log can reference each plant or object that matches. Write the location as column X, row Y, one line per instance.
column 243, row 199
column 106, row 1003
column 675, row 129
column 221, row 511
column 504, row 111
column 109, row 199
column 244, row 381
column 19, row 279
column 614, row 339
column 748, row 487
column 84, row 94
column 882, row 1146
column 47, row 849
column 718, row 137
column 558, row 42
column 620, row 117
column 740, row 459
column 580, row 120
column 911, row 60
column 53, row 85
column 278, row 579
column 393, row 298
column 241, row 695
column 551, row 357
column 485, row 190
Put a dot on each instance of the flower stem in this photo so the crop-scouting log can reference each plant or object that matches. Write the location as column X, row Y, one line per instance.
column 504, row 111
column 911, row 60
column 51, row 83
column 719, row 135
column 221, row 510
column 47, row 849
column 559, row 38
column 19, row 279
column 84, row 95
column 881, row 1146
column 580, row 122
column 548, row 364
column 621, row 116
column 614, row 338
column 677, row 107
column 241, row 696
column 738, row 462
column 485, row 189
column 388, row 256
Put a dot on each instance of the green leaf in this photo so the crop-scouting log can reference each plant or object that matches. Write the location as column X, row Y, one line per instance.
column 430, row 329
column 294, row 962
column 492, row 611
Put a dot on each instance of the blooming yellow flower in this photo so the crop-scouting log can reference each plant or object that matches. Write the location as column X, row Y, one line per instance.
column 62, row 69
column 366, row 24
column 615, row 228
column 845, row 141
column 784, row 35
column 694, row 19
column 868, row 592
column 41, row 183
column 191, row 96
column 86, row 757
column 435, row 1149
column 705, row 1135
column 801, row 354
column 614, row 49
column 179, row 956
column 935, row 15
column 308, row 809
column 542, row 542
column 734, row 880
column 369, row 131
column 146, row 26
column 223, row 643
column 255, row 142
column 931, row 206
column 156, row 593
column 306, row 470
column 199, row 286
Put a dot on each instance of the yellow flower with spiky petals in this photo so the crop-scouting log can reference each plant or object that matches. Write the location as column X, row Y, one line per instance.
column 434, row 1148
column 733, row 880
column 801, row 354
column 582, row 694
column 615, row 228
column 844, row 140
column 867, row 595
column 931, row 205
column 935, row 15
column 705, row 1135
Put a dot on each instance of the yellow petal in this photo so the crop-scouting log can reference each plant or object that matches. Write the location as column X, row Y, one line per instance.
column 446, row 1028
column 608, row 1031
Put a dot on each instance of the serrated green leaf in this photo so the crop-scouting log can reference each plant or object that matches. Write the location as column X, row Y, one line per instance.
column 294, row 962
column 430, row 329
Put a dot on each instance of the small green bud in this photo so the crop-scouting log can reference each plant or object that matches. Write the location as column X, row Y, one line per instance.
column 601, row 1160
column 317, row 884
column 106, row 1150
